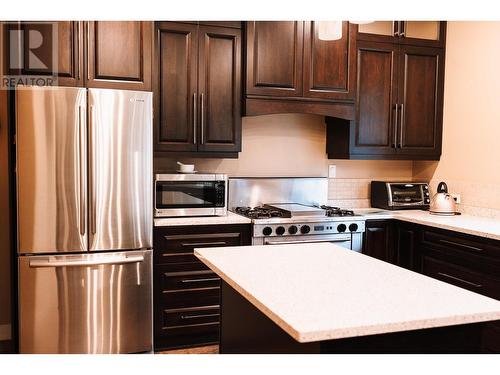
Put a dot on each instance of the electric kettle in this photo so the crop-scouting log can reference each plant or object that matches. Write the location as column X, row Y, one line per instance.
column 442, row 202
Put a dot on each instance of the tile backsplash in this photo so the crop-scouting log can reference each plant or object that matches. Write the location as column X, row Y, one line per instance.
column 352, row 192
column 477, row 199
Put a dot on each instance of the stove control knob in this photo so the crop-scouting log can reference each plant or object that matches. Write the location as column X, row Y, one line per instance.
column 341, row 228
column 267, row 231
column 353, row 227
column 292, row 229
column 304, row 229
column 280, row 231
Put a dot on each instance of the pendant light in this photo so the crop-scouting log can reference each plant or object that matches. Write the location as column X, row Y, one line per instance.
column 329, row 30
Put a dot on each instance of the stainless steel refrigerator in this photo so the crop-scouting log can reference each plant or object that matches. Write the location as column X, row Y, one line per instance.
column 84, row 193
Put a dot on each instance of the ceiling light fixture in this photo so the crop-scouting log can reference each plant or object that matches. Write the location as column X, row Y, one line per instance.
column 329, row 30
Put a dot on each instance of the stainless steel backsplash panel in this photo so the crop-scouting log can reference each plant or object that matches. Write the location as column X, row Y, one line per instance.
column 254, row 191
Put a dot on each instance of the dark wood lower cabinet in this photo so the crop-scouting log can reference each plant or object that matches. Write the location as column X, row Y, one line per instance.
column 186, row 292
column 463, row 260
column 379, row 240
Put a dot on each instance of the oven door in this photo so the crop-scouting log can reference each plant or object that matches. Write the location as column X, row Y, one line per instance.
column 190, row 198
column 343, row 240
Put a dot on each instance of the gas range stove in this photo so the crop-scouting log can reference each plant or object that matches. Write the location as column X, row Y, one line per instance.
column 293, row 222
column 292, row 210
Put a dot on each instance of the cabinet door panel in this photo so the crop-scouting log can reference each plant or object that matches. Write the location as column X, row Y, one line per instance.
column 69, row 64
column 420, row 81
column 219, row 76
column 329, row 66
column 274, row 58
column 175, row 86
column 376, row 99
column 378, row 241
column 119, row 54
column 423, row 33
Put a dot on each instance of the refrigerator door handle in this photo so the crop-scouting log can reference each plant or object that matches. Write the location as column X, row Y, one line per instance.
column 84, row 263
column 91, row 171
column 81, row 149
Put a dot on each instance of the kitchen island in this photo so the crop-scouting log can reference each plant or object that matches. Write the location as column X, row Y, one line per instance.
column 322, row 298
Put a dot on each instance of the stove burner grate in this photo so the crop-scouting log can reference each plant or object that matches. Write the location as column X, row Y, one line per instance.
column 336, row 211
column 259, row 212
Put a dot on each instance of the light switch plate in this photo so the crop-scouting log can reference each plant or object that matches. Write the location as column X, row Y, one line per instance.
column 332, row 171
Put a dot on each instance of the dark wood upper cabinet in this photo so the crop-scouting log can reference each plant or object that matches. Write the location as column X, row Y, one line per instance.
column 197, row 89
column 175, row 87
column 329, row 66
column 274, row 58
column 119, row 54
column 418, row 33
column 375, row 121
column 69, row 65
column 219, row 87
column 421, row 80
column 399, row 105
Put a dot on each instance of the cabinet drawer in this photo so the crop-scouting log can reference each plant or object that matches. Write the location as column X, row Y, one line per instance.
column 190, row 298
column 179, row 248
column 187, row 336
column 461, row 277
column 458, row 244
column 187, row 280
column 191, row 316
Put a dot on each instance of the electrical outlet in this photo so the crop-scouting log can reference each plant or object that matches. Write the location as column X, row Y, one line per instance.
column 332, row 171
column 456, row 198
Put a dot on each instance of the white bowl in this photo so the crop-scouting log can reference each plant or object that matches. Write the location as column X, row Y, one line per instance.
column 187, row 168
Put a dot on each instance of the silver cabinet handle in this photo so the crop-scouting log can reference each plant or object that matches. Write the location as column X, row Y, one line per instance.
column 202, row 117
column 78, row 59
column 468, row 247
column 461, row 280
column 91, row 171
column 84, row 263
column 188, row 281
column 87, row 24
column 183, row 317
column 396, row 33
column 396, row 127
column 194, row 244
column 81, row 147
column 194, row 117
column 402, row 124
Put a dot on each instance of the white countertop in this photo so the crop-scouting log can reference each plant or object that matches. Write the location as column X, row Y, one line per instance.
column 475, row 225
column 230, row 218
column 322, row 291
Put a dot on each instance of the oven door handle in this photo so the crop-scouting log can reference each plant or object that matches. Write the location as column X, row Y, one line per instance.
column 339, row 239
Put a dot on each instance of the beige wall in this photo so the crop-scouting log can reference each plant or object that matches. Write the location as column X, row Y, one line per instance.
column 470, row 162
column 294, row 145
column 290, row 145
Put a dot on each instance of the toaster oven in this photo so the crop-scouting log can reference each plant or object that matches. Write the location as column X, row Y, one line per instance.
column 400, row 195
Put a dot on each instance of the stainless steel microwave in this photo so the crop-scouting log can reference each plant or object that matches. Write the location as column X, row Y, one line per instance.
column 400, row 195
column 190, row 195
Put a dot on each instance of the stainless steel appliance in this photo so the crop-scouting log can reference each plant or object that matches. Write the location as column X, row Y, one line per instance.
column 297, row 214
column 190, row 195
column 400, row 195
column 442, row 202
column 84, row 185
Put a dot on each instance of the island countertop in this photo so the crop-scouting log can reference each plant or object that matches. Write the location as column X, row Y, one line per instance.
column 321, row 291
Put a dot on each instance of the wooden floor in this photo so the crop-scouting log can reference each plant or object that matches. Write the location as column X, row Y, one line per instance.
column 212, row 349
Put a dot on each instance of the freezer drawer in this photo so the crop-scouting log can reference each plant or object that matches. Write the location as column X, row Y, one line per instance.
column 91, row 303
